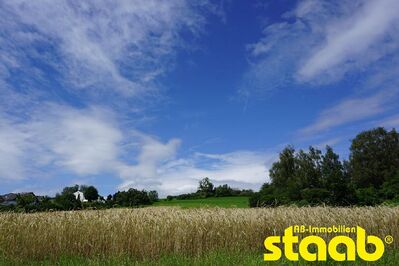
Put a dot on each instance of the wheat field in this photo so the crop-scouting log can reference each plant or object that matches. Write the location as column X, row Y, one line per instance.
column 151, row 232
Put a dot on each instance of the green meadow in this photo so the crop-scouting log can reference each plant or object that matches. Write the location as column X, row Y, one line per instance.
column 218, row 258
column 222, row 202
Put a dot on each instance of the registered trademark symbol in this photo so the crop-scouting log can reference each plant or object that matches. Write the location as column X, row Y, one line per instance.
column 388, row 239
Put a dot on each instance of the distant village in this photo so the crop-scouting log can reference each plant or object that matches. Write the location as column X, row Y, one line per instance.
column 75, row 197
column 80, row 197
column 10, row 199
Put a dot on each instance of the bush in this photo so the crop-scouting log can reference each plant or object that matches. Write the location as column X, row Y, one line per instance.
column 189, row 196
column 153, row 195
column 367, row 196
column 67, row 202
column 132, row 198
column 6, row 208
column 90, row 193
column 390, row 188
column 223, row 191
column 263, row 200
column 205, row 188
column 267, row 196
column 315, row 195
column 169, row 197
column 24, row 200
column 254, row 200
column 246, row 192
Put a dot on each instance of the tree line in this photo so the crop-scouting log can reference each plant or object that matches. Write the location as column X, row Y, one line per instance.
column 370, row 176
column 207, row 189
column 67, row 200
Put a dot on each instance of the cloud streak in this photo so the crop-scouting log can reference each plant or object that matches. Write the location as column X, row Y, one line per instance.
column 367, row 31
column 118, row 46
column 322, row 42
column 12, row 142
column 350, row 111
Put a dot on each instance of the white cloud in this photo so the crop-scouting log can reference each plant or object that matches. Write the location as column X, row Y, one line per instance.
column 321, row 42
column 158, row 167
column 152, row 155
column 65, row 51
column 109, row 45
column 242, row 169
column 347, row 41
column 87, row 142
column 11, row 151
column 350, row 110
column 272, row 58
column 81, row 141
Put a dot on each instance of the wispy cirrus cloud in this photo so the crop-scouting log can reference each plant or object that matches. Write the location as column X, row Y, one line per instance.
column 12, row 143
column 324, row 42
column 351, row 110
column 372, row 29
column 107, row 46
column 321, row 42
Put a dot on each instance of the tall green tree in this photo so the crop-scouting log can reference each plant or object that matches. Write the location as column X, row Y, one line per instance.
column 223, row 191
column 390, row 188
column 284, row 177
column 67, row 201
column 90, row 193
column 334, row 178
column 153, row 195
column 132, row 198
column 308, row 169
column 283, row 171
column 26, row 199
column 205, row 187
column 374, row 157
column 70, row 190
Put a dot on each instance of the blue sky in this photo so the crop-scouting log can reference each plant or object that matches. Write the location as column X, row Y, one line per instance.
column 159, row 94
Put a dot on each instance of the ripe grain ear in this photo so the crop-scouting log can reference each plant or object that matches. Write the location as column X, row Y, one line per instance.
column 155, row 231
